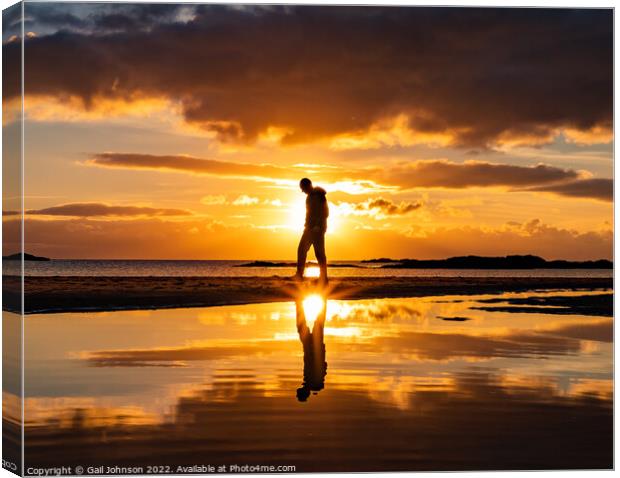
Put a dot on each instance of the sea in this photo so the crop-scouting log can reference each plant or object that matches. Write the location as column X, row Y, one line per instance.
column 234, row 268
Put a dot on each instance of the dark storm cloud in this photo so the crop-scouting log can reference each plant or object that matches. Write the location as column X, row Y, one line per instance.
column 104, row 210
column 597, row 188
column 53, row 15
column 86, row 18
column 479, row 75
column 130, row 17
column 11, row 21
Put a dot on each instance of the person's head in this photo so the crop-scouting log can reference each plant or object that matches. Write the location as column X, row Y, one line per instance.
column 306, row 185
column 303, row 393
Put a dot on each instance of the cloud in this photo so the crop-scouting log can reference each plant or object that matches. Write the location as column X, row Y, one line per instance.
column 404, row 175
column 244, row 200
column 449, row 174
column 378, row 208
column 597, row 188
column 105, row 210
column 188, row 164
column 388, row 207
column 465, row 77
column 84, row 19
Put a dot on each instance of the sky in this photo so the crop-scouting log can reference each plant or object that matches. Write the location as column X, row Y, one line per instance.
column 162, row 131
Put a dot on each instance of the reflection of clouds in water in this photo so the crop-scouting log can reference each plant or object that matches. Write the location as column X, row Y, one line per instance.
column 422, row 311
column 594, row 330
column 576, row 387
column 391, row 388
column 243, row 318
column 400, row 391
column 485, row 411
column 11, row 407
column 437, row 345
column 590, row 347
column 445, row 346
column 91, row 412
column 390, row 362
column 372, row 310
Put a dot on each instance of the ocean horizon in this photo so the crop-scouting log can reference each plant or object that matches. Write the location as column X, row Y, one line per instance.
column 233, row 268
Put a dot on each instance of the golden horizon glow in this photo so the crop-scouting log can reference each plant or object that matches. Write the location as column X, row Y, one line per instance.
column 385, row 187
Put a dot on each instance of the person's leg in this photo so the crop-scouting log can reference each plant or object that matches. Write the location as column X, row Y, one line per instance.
column 318, row 242
column 302, row 252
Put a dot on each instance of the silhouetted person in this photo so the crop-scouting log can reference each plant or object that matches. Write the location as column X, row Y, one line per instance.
column 315, row 366
column 317, row 212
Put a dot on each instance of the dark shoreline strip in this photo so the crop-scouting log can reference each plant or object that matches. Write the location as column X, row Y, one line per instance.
column 78, row 294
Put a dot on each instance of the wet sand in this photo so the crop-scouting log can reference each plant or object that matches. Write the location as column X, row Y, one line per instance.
column 75, row 294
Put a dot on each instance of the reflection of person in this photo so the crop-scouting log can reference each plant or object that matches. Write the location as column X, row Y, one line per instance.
column 317, row 212
column 315, row 366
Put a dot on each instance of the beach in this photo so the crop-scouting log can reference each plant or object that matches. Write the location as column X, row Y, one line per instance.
column 78, row 294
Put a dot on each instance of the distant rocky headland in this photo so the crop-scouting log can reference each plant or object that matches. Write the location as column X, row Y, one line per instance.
column 27, row 257
column 481, row 262
column 459, row 262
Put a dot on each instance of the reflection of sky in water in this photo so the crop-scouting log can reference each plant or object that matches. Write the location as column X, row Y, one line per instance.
column 388, row 359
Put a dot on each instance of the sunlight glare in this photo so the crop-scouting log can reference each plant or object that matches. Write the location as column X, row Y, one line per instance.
column 312, row 272
column 313, row 306
column 297, row 213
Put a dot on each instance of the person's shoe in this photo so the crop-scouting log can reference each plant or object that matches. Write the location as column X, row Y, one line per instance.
column 298, row 278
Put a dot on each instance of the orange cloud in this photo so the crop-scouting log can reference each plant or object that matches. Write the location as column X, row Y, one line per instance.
column 595, row 188
column 449, row 174
column 595, row 135
column 105, row 210
column 188, row 164
column 404, row 175
column 378, row 208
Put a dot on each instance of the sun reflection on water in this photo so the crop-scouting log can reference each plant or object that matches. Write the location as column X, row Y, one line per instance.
column 313, row 306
